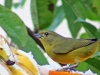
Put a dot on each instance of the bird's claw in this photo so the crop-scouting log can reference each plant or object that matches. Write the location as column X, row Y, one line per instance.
column 67, row 69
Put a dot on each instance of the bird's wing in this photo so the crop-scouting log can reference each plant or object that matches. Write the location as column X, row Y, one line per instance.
column 72, row 44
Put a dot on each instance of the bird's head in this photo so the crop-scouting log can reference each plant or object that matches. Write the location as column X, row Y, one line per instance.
column 48, row 36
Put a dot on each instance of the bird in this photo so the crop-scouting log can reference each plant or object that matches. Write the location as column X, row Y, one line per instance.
column 67, row 50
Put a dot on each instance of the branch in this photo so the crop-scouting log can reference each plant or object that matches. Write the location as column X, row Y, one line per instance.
column 31, row 34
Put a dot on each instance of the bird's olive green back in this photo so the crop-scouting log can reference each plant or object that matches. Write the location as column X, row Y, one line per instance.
column 70, row 44
column 60, row 44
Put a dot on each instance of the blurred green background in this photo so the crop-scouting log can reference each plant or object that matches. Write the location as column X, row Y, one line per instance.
column 47, row 15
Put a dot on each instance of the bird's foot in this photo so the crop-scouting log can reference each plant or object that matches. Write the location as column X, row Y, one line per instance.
column 68, row 68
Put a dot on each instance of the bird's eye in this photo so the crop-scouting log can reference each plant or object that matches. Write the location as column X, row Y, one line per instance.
column 46, row 33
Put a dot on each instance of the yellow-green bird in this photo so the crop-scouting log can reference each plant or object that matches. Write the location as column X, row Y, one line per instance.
column 68, row 50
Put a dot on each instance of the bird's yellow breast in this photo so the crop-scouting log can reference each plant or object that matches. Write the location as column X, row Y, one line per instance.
column 79, row 54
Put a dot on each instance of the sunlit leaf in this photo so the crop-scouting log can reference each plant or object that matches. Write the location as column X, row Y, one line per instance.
column 92, row 16
column 96, row 4
column 13, row 25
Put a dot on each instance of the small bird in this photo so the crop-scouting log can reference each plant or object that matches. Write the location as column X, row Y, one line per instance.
column 68, row 50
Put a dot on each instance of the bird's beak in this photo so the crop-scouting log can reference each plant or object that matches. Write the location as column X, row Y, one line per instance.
column 38, row 35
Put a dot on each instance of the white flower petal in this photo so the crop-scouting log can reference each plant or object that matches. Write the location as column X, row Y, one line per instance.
column 89, row 72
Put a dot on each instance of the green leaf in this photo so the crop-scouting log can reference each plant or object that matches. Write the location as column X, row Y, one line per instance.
column 88, row 3
column 38, row 55
column 89, row 64
column 89, row 28
column 92, row 16
column 16, row 5
column 42, row 13
column 89, row 33
column 83, row 66
column 58, row 17
column 8, row 3
column 71, row 14
column 97, row 33
column 77, row 7
column 84, row 35
column 13, row 25
column 21, row 3
column 96, row 4
column 94, row 65
column 91, row 11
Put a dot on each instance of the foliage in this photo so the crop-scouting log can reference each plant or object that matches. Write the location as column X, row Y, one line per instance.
column 47, row 15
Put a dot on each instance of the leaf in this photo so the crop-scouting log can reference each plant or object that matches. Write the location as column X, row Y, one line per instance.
column 96, row 4
column 94, row 64
column 84, row 35
column 97, row 33
column 21, row 3
column 91, row 35
column 83, row 66
column 77, row 7
column 16, row 5
column 92, row 16
column 91, row 9
column 38, row 55
column 59, row 16
column 89, row 5
column 72, row 13
column 13, row 25
column 8, row 3
column 89, row 28
column 42, row 13
column 86, row 65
